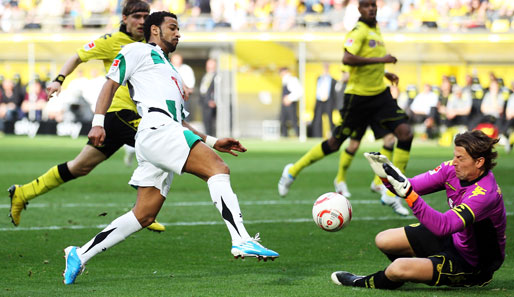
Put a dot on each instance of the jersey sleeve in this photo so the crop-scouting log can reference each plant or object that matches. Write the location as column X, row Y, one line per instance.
column 98, row 49
column 440, row 224
column 354, row 40
column 431, row 181
column 125, row 64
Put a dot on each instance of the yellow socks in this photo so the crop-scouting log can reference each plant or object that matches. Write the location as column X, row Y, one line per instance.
column 316, row 153
column 400, row 158
column 51, row 179
column 345, row 160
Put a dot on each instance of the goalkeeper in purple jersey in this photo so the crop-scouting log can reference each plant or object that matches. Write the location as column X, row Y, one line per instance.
column 463, row 246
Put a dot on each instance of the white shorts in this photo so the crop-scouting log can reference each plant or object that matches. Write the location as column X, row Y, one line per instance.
column 160, row 152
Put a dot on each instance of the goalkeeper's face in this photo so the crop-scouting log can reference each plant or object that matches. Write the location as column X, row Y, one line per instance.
column 135, row 22
column 466, row 168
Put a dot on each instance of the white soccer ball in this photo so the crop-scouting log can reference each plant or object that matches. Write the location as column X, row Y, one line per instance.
column 332, row 212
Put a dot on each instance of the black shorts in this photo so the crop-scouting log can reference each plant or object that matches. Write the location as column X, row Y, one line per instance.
column 378, row 132
column 450, row 269
column 359, row 112
column 120, row 128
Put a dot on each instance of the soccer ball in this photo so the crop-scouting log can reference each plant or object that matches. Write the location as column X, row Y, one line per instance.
column 332, row 212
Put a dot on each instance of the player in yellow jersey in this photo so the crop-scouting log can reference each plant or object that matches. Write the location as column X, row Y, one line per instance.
column 367, row 100
column 121, row 120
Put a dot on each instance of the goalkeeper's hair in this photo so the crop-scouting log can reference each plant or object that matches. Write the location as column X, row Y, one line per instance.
column 477, row 144
column 156, row 18
column 133, row 6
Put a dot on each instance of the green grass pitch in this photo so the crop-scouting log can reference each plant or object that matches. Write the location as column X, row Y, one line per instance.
column 192, row 258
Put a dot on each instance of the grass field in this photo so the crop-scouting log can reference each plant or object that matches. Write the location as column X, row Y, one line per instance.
column 192, row 258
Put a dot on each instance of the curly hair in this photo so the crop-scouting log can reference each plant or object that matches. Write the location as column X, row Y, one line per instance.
column 477, row 144
column 155, row 18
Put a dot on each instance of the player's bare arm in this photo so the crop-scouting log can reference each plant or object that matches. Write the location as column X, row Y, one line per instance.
column 67, row 68
column 393, row 78
column 224, row 145
column 354, row 60
column 97, row 132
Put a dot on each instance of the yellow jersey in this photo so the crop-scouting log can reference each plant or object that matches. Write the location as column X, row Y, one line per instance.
column 106, row 48
column 367, row 42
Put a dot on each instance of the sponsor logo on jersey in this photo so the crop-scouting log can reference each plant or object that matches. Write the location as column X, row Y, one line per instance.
column 89, row 46
column 115, row 64
column 349, row 42
column 434, row 171
column 478, row 191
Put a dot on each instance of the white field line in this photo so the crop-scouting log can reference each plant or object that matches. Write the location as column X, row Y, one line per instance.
column 196, row 203
column 208, row 223
column 204, row 223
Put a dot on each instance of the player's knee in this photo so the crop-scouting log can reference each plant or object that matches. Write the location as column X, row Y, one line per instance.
column 353, row 146
column 220, row 167
column 383, row 241
column 399, row 270
column 331, row 145
column 404, row 133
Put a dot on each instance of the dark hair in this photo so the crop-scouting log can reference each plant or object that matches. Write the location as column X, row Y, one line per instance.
column 156, row 18
column 477, row 144
column 133, row 6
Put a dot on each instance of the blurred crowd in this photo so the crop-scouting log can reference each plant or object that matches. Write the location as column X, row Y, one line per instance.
column 436, row 111
column 277, row 15
column 22, row 105
column 443, row 110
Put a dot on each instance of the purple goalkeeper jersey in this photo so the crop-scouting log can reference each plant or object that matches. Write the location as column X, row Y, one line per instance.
column 476, row 219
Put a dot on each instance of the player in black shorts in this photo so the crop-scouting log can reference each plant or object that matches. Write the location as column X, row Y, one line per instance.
column 347, row 155
column 367, row 100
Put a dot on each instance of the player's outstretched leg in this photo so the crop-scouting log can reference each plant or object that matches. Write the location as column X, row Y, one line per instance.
column 21, row 194
column 228, row 205
column 77, row 257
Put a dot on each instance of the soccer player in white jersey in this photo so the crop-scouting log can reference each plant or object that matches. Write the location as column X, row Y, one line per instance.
column 165, row 145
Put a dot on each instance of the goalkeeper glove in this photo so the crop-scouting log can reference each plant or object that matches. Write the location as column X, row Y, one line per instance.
column 401, row 184
column 376, row 161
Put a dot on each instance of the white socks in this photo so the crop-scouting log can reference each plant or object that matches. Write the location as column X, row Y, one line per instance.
column 226, row 202
column 116, row 232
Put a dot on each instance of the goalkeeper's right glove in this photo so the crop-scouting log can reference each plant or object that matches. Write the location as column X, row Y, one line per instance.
column 376, row 161
column 400, row 183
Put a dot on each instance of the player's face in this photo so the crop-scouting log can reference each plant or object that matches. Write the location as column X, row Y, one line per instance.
column 135, row 23
column 466, row 168
column 169, row 33
column 368, row 9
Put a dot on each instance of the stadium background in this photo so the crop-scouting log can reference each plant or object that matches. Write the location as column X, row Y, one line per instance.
column 176, row 263
column 251, row 51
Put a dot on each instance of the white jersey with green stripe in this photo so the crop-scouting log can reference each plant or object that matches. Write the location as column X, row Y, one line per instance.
column 155, row 85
